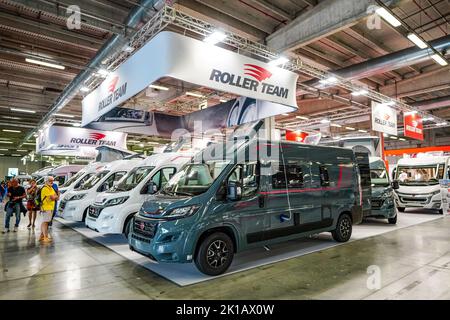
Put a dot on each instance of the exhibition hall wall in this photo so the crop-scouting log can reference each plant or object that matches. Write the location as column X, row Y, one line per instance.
column 15, row 162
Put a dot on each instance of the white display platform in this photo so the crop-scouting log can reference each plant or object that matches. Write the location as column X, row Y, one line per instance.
column 187, row 274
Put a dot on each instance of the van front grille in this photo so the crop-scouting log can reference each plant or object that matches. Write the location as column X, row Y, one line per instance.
column 144, row 228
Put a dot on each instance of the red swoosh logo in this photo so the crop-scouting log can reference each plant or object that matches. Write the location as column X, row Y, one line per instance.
column 97, row 136
column 113, row 83
column 257, row 72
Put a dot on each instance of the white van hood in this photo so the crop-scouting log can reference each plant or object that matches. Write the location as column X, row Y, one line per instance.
column 418, row 189
column 105, row 196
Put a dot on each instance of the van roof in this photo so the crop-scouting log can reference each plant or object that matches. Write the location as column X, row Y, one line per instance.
column 422, row 161
column 122, row 164
column 159, row 159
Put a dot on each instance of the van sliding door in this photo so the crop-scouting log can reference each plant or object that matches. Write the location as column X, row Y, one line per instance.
column 362, row 160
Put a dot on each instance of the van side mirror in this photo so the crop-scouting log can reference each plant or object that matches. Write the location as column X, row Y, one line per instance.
column 234, row 191
column 395, row 185
column 103, row 187
column 152, row 188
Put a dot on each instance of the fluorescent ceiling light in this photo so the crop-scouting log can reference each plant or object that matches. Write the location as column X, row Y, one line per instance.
column 29, row 143
column 324, row 121
column 84, row 89
column 65, row 115
column 393, row 137
column 8, row 130
column 350, row 128
column 302, row 117
column 77, row 124
column 386, row 15
column 428, row 119
column 22, row 110
column 11, row 118
column 335, row 125
column 329, row 80
column 222, row 100
column 215, row 37
column 364, row 131
column 4, row 149
column 417, row 41
column 194, row 94
column 359, row 92
column 6, row 142
column 441, row 123
column 278, row 61
column 22, row 150
column 385, row 135
column 16, row 155
column 154, row 86
column 439, row 60
column 402, row 139
column 45, row 64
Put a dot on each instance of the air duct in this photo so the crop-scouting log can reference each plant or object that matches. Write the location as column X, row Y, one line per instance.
column 436, row 103
column 389, row 62
column 116, row 42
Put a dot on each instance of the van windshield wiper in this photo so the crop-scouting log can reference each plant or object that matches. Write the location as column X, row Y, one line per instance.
column 183, row 193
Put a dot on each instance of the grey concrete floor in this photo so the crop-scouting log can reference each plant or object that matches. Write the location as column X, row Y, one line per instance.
column 411, row 263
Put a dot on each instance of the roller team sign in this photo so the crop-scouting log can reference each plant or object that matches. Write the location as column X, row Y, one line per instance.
column 384, row 118
column 58, row 139
column 413, row 125
column 173, row 55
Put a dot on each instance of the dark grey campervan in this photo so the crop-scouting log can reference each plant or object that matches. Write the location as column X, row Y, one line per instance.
column 216, row 206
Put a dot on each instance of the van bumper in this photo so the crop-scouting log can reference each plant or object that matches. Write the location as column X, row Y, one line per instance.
column 426, row 201
column 357, row 214
column 167, row 244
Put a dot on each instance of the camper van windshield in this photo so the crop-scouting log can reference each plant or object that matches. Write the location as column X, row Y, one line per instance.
column 132, row 179
column 420, row 175
column 194, row 178
column 73, row 179
column 379, row 177
column 94, row 180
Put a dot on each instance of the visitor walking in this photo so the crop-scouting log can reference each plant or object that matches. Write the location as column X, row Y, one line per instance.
column 48, row 199
column 31, row 205
column 55, row 187
column 16, row 194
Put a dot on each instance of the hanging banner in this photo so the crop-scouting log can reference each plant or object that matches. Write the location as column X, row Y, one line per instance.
column 384, row 118
column 173, row 55
column 413, row 126
column 58, row 140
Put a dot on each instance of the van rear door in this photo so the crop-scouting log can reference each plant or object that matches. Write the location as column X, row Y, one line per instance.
column 362, row 161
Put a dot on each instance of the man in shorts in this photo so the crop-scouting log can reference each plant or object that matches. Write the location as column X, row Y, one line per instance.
column 48, row 200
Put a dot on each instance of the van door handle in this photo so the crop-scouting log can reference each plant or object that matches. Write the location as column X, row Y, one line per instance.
column 261, row 201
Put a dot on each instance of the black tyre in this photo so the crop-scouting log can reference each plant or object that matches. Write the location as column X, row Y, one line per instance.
column 344, row 228
column 401, row 209
column 127, row 228
column 393, row 220
column 215, row 254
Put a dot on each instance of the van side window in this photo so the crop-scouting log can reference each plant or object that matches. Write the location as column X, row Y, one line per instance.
column 324, row 176
column 293, row 172
column 247, row 175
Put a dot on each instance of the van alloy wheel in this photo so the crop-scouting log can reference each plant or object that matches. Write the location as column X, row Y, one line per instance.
column 344, row 228
column 214, row 253
column 217, row 254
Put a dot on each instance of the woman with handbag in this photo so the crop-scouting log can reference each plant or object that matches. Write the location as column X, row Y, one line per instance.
column 31, row 205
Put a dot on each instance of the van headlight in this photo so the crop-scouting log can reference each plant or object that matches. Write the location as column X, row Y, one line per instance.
column 435, row 192
column 182, row 212
column 115, row 201
column 387, row 194
column 77, row 197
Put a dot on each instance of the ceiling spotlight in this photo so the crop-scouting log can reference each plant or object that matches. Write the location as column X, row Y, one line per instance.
column 439, row 60
column 215, row 37
column 329, row 80
column 389, row 17
column 45, row 64
column 360, row 92
column 154, row 86
column 278, row 61
column 417, row 41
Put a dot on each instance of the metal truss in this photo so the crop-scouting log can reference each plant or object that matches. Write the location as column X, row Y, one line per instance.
column 169, row 16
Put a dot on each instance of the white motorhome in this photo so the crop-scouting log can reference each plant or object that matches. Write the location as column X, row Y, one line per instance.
column 418, row 179
column 64, row 172
column 112, row 210
column 75, row 203
column 81, row 177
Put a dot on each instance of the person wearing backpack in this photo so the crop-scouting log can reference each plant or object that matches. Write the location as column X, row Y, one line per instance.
column 16, row 194
column 48, row 199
